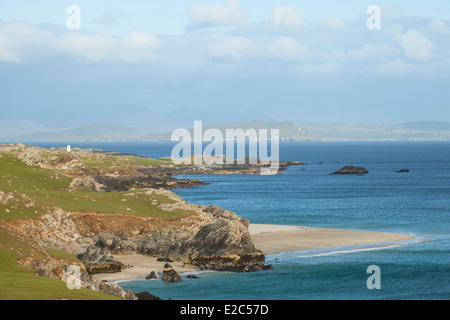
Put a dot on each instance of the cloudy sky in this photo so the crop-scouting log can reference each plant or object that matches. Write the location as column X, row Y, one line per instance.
column 290, row 60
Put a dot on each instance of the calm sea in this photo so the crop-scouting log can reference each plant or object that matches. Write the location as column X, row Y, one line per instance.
column 416, row 203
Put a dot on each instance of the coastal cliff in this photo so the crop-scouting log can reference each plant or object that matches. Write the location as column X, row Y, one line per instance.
column 55, row 200
column 208, row 238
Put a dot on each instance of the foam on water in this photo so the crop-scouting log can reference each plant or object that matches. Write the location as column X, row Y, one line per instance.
column 343, row 249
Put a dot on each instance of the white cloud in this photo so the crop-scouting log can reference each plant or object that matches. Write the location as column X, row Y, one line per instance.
column 286, row 48
column 85, row 47
column 23, row 29
column 231, row 48
column 138, row 47
column 238, row 48
column 20, row 42
column 440, row 27
column 133, row 47
column 416, row 46
column 7, row 52
column 286, row 18
column 373, row 53
column 217, row 15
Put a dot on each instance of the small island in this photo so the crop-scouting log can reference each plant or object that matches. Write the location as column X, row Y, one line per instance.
column 352, row 170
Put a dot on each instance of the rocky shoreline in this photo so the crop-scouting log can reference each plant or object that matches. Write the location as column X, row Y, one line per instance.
column 205, row 237
column 197, row 236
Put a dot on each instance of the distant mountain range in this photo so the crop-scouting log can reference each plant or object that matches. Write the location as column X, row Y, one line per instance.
column 90, row 132
column 185, row 117
column 27, row 131
column 112, row 132
column 288, row 131
column 419, row 130
column 427, row 125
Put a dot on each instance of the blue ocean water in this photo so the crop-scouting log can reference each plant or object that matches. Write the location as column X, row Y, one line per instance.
column 383, row 200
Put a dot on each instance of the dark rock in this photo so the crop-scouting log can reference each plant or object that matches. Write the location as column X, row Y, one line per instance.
column 151, row 276
column 403, row 170
column 253, row 268
column 146, row 296
column 295, row 163
column 148, row 178
column 104, row 267
column 164, row 260
column 171, row 276
column 167, row 266
column 243, row 263
column 115, row 290
column 213, row 209
column 101, row 242
column 268, row 267
column 191, row 276
column 351, row 170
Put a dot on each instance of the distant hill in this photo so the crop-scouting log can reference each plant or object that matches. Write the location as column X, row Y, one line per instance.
column 90, row 132
column 427, row 125
column 408, row 131
column 15, row 127
column 185, row 116
column 288, row 131
column 113, row 132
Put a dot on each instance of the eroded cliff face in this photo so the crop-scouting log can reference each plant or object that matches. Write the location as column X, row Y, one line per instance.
column 209, row 238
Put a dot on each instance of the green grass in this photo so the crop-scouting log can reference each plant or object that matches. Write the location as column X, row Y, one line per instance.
column 151, row 162
column 111, row 202
column 26, row 178
column 46, row 191
column 19, row 283
column 93, row 162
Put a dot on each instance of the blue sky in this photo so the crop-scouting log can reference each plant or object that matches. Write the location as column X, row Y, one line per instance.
column 291, row 60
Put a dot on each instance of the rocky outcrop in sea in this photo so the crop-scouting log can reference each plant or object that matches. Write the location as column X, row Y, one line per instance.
column 352, row 170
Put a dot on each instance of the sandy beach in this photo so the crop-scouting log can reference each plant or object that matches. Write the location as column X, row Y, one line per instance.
column 141, row 267
column 270, row 239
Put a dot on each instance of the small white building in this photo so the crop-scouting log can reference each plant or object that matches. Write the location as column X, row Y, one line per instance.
column 68, row 148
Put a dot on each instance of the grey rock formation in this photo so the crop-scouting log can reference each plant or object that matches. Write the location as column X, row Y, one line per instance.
column 151, row 276
column 104, row 267
column 351, row 170
column 86, row 185
column 170, row 275
column 31, row 157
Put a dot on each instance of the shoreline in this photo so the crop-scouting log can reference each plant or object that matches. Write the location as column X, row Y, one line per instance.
column 141, row 267
column 271, row 240
column 275, row 239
